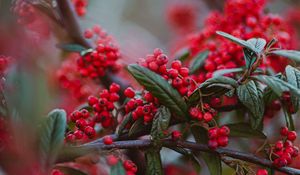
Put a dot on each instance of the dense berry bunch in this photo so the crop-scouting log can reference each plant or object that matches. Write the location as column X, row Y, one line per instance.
column 80, row 6
column 104, row 57
column 71, row 80
column 177, row 75
column 283, row 150
column 182, row 16
column 218, row 137
column 243, row 19
column 102, row 112
column 143, row 107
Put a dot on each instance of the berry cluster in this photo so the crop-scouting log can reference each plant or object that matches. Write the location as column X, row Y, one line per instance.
column 283, row 151
column 218, row 137
column 182, row 17
column 70, row 80
column 102, row 107
column 177, row 75
column 104, row 57
column 206, row 115
column 143, row 107
column 128, row 165
column 84, row 126
column 25, row 12
column 80, row 6
column 243, row 19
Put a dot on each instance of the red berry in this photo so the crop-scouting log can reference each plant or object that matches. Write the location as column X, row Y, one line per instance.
column 114, row 88
column 194, row 112
column 148, row 97
column 222, row 141
column 292, row 135
column 89, row 131
column 112, row 160
column 129, row 92
column 224, row 131
column 284, row 131
column 184, row 72
column 279, row 145
column 173, row 73
column 107, row 140
column 78, row 134
column 213, row 133
column 162, row 59
column 88, row 33
column 261, row 172
column 176, row 65
column 153, row 66
column 81, row 124
column 207, row 117
column 92, row 100
column 85, row 113
column 70, row 137
column 114, row 97
column 176, row 135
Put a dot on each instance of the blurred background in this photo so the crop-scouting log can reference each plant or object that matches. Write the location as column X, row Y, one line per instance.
column 138, row 26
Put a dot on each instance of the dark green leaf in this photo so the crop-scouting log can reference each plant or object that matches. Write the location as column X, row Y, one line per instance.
column 244, row 130
column 289, row 120
column 71, row 47
column 160, row 88
column 237, row 40
column 214, row 86
column 293, row 77
column 227, row 71
column 154, row 165
column 250, row 57
column 290, row 54
column 198, row 61
column 52, row 136
column 252, row 98
column 117, row 169
column 160, row 123
column 182, row 54
column 136, row 127
column 212, row 160
column 126, row 120
column 70, row 170
column 277, row 85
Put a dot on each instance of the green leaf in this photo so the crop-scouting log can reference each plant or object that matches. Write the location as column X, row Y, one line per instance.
column 117, row 169
column 160, row 123
column 154, row 165
column 136, row 127
column 212, row 87
column 182, row 54
column 71, row 47
column 160, row 88
column 290, row 54
column 237, row 40
column 244, row 130
column 257, row 43
column 126, row 120
column 251, row 97
column 277, row 85
column 250, row 57
column 198, row 61
column 293, row 77
column 70, row 170
column 227, row 71
column 52, row 136
column 212, row 160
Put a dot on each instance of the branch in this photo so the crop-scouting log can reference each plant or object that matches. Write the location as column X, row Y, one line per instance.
column 143, row 144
